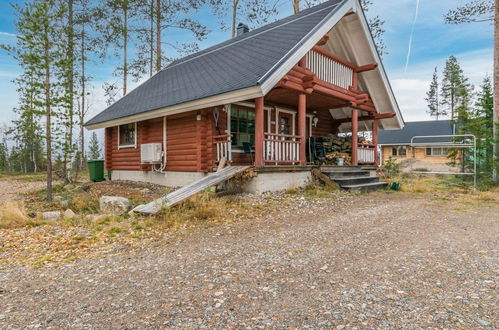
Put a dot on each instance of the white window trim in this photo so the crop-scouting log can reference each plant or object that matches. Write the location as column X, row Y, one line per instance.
column 127, row 145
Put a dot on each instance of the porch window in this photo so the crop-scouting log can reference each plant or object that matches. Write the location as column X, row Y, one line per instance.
column 399, row 151
column 127, row 135
column 436, row 152
column 242, row 126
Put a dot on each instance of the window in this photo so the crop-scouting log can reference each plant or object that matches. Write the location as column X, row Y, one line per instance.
column 242, row 126
column 399, row 151
column 127, row 135
column 436, row 152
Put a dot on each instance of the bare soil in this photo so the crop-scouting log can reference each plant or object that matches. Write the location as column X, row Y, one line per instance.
column 14, row 190
column 370, row 261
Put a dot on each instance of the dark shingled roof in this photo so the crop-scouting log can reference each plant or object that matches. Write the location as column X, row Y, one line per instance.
column 417, row 128
column 241, row 62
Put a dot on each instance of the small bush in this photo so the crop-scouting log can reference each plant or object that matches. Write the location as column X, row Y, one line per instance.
column 391, row 167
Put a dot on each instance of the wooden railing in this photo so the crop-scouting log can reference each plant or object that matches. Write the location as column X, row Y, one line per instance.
column 223, row 147
column 281, row 148
column 330, row 69
column 365, row 153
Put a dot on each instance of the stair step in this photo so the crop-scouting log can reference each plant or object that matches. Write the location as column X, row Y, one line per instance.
column 352, row 180
column 365, row 187
column 349, row 173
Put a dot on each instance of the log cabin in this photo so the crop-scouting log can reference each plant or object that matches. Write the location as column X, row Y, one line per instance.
column 256, row 99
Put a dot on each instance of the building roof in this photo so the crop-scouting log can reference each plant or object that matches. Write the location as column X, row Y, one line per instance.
column 417, row 128
column 246, row 67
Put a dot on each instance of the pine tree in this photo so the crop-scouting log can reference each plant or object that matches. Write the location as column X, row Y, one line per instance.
column 38, row 52
column 454, row 86
column 94, row 150
column 432, row 98
column 483, row 11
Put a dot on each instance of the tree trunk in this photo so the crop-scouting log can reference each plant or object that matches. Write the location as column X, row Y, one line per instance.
column 151, row 39
column 83, row 96
column 158, row 36
column 125, row 42
column 48, row 113
column 69, row 136
column 296, row 6
column 496, row 92
column 235, row 4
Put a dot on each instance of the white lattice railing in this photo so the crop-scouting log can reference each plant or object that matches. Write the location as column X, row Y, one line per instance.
column 223, row 147
column 281, row 148
column 365, row 154
column 329, row 70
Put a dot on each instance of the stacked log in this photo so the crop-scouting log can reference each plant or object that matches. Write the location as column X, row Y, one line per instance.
column 338, row 146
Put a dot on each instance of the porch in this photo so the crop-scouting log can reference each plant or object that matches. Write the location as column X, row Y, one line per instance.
column 320, row 97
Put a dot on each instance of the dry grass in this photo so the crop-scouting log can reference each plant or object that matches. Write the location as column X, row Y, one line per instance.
column 13, row 215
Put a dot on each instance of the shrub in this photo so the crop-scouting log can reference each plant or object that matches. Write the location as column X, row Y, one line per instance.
column 391, row 167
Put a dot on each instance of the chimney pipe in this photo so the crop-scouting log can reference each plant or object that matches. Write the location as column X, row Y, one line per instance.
column 241, row 29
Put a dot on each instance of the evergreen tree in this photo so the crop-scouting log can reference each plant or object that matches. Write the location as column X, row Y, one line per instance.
column 432, row 97
column 454, row 88
column 94, row 150
column 39, row 53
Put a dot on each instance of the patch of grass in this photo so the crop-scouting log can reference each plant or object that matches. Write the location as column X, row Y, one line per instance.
column 317, row 191
column 27, row 177
column 292, row 191
column 14, row 215
column 84, row 203
column 115, row 230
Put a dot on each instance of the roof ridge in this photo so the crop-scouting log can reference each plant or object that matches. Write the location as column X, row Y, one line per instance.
column 256, row 34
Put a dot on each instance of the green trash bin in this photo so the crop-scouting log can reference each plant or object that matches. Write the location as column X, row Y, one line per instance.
column 96, row 170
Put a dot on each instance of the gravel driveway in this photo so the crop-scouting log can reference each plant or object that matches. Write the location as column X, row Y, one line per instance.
column 381, row 260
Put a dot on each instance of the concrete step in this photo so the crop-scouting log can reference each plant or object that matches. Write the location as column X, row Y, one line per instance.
column 353, row 180
column 345, row 173
column 365, row 187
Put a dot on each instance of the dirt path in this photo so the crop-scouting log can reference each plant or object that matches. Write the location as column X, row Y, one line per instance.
column 385, row 261
column 12, row 190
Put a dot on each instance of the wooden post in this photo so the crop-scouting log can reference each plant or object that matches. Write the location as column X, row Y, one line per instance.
column 302, row 131
column 375, row 140
column 259, row 132
column 355, row 131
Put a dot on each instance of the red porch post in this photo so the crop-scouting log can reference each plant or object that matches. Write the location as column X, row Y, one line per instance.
column 375, row 140
column 355, row 130
column 259, row 133
column 302, row 131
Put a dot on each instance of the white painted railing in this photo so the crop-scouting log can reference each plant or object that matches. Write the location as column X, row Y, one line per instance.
column 223, row 147
column 365, row 154
column 281, row 148
column 329, row 70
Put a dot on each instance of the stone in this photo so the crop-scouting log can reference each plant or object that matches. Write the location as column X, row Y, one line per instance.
column 64, row 203
column 69, row 186
column 51, row 215
column 69, row 214
column 57, row 198
column 114, row 205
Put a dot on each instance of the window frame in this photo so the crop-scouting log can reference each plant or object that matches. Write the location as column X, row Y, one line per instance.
column 398, row 150
column 444, row 152
column 122, row 146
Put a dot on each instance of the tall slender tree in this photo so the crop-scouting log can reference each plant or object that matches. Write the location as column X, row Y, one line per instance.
column 454, row 88
column 483, row 11
column 432, row 98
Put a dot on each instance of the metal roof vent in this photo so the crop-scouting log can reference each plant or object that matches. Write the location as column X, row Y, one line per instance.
column 241, row 29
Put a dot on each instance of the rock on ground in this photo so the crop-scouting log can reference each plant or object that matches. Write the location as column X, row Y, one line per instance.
column 114, row 205
column 51, row 215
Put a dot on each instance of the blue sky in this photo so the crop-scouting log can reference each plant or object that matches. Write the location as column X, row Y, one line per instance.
column 433, row 42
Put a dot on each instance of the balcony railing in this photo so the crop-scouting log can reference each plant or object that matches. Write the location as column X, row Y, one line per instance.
column 281, row 148
column 329, row 69
column 223, row 147
column 365, row 153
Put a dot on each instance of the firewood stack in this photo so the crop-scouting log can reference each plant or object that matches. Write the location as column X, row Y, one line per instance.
column 337, row 146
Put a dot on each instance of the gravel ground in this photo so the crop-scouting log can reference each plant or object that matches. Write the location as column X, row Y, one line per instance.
column 12, row 190
column 375, row 261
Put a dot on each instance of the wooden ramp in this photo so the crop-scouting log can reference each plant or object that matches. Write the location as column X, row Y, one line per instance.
column 191, row 189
